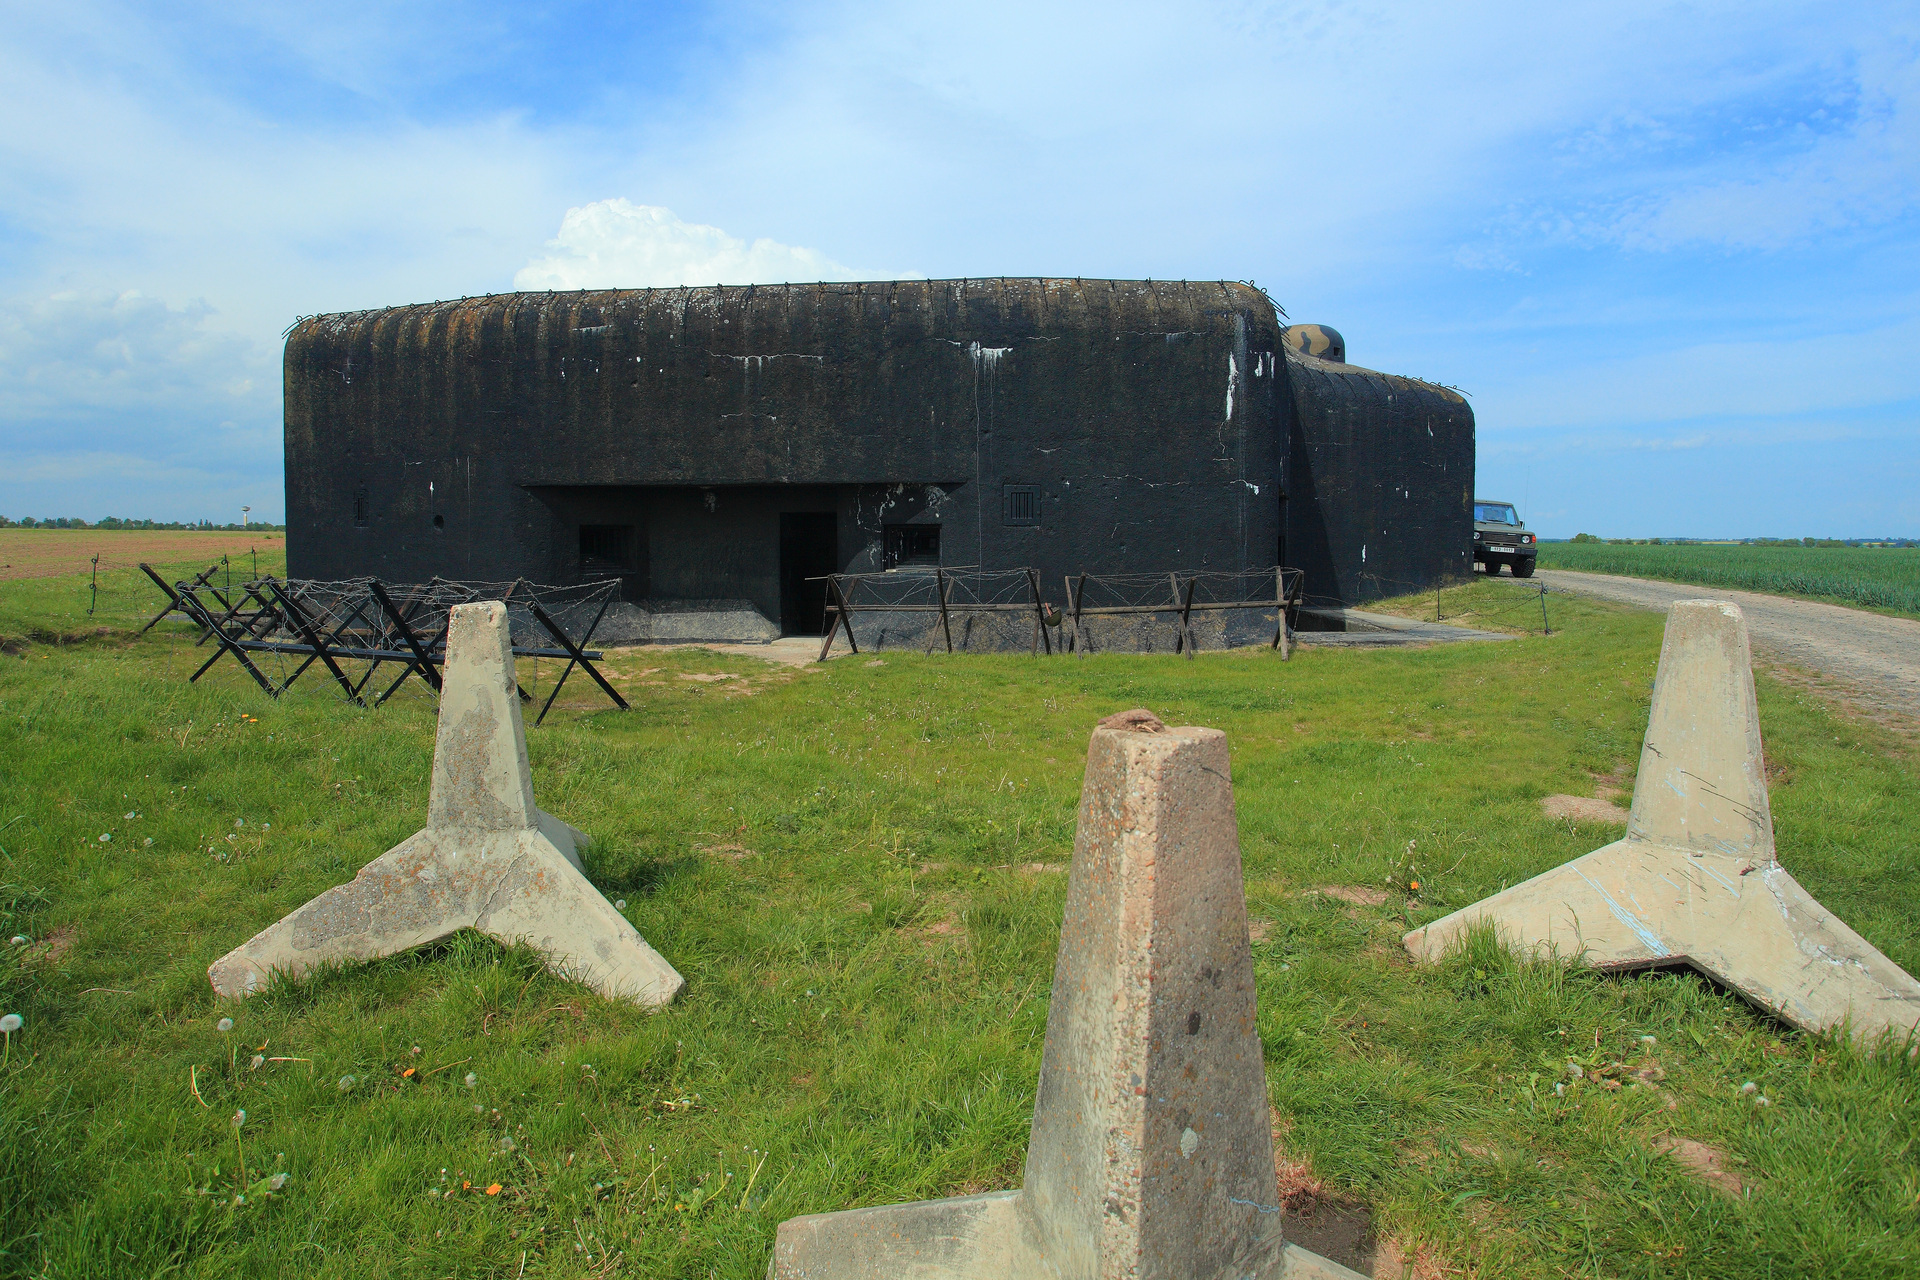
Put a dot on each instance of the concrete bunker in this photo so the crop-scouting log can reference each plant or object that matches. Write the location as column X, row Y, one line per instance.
column 716, row 448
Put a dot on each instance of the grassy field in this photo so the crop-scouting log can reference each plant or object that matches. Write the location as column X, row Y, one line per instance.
column 859, row 868
column 1881, row 578
column 52, row 553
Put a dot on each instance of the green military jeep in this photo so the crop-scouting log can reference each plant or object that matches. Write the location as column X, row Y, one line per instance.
column 1500, row 538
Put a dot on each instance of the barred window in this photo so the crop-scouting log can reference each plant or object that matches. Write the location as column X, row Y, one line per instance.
column 1021, row 504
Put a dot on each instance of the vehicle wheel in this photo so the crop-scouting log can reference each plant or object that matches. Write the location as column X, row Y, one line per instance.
column 1523, row 567
column 1493, row 568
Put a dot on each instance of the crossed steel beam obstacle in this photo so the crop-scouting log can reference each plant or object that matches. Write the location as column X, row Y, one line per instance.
column 488, row 858
column 1697, row 880
column 375, row 629
column 1151, row 1152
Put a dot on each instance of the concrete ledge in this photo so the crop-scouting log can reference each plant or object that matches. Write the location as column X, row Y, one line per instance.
column 684, row 622
column 1326, row 625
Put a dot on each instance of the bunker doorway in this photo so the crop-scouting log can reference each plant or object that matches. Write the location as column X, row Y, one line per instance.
column 809, row 548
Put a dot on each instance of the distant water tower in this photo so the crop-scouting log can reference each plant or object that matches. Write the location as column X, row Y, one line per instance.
column 243, row 516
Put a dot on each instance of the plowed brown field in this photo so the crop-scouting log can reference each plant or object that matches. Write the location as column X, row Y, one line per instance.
column 51, row 553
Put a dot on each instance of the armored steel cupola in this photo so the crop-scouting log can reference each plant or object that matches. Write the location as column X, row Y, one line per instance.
column 1318, row 340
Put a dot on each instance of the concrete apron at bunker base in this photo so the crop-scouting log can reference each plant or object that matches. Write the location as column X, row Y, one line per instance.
column 1151, row 1153
column 1696, row 880
column 488, row 858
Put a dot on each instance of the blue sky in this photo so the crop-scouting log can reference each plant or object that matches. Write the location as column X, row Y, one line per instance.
column 1671, row 250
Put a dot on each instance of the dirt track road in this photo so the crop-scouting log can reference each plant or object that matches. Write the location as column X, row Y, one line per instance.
column 1874, row 658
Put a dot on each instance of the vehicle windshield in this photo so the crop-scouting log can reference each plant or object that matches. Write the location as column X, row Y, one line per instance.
column 1494, row 513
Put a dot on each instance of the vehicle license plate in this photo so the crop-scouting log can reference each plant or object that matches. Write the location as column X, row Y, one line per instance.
column 1504, row 551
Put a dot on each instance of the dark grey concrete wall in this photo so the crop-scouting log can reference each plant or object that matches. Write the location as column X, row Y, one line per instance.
column 1380, row 483
column 1146, row 413
column 473, row 439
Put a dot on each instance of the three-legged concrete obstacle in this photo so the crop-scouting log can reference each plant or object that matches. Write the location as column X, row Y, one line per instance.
column 1151, row 1153
column 1696, row 881
column 488, row 858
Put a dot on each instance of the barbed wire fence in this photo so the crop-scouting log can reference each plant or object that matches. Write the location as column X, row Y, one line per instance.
column 965, row 608
column 926, row 608
column 1139, row 611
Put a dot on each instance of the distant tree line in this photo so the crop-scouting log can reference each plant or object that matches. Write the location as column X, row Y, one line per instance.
column 115, row 522
column 1750, row 542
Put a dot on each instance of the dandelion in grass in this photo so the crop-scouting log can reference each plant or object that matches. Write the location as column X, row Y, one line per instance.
column 1761, row 1101
column 259, row 1060
column 106, row 837
column 472, row 1080
column 1648, row 1041
column 1749, row 1088
column 346, row 1083
column 9, row 1024
column 225, row 1024
column 620, row 904
column 239, row 1122
column 277, row 1181
column 19, row 939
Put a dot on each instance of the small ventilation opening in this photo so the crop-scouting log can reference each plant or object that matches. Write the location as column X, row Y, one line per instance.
column 360, row 504
column 1021, row 504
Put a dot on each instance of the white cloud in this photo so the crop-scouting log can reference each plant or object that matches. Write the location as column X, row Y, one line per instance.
column 612, row 244
column 1863, row 173
column 119, row 404
column 1402, row 170
column 76, row 353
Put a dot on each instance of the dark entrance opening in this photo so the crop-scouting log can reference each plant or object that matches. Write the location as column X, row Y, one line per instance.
column 809, row 548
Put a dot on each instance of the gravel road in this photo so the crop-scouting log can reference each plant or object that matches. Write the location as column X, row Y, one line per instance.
column 1874, row 657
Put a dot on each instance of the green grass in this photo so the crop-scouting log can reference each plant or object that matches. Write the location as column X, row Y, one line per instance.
column 1881, row 578
column 868, row 967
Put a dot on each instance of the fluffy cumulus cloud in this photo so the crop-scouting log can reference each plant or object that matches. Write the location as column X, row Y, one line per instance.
column 613, row 244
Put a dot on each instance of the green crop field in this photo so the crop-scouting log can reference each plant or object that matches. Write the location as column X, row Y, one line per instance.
column 859, row 868
column 1883, row 578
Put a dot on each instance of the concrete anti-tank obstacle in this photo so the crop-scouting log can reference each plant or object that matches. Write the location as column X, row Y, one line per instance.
column 1696, row 880
column 488, row 858
column 1151, row 1153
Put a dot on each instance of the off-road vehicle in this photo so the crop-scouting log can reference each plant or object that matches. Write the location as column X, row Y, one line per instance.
column 1500, row 538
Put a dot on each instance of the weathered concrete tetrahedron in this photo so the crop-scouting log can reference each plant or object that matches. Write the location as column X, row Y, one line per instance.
column 488, row 859
column 1696, row 880
column 1151, row 1153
